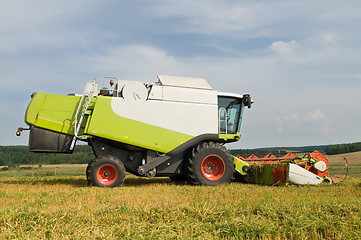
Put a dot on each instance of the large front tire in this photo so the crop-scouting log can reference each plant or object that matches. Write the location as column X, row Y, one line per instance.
column 106, row 171
column 210, row 164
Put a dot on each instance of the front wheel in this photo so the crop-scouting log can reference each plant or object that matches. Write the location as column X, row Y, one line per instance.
column 210, row 164
column 106, row 171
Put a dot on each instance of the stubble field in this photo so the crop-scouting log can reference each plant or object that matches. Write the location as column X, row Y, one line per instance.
column 55, row 202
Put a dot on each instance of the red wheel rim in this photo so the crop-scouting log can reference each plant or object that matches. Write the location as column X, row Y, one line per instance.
column 213, row 167
column 107, row 174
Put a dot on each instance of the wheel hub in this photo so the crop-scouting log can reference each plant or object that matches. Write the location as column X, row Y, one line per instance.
column 209, row 168
column 107, row 174
column 213, row 167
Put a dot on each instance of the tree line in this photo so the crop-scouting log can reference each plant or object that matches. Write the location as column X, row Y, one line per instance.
column 20, row 155
column 325, row 149
column 343, row 148
column 83, row 154
column 278, row 151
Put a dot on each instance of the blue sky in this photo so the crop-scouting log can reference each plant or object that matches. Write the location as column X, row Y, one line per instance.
column 299, row 60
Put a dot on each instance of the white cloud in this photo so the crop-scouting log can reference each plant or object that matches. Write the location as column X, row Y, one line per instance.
column 326, row 129
column 287, row 123
column 330, row 39
column 40, row 24
column 208, row 17
column 314, row 123
column 135, row 62
column 317, row 115
column 284, row 48
column 318, row 122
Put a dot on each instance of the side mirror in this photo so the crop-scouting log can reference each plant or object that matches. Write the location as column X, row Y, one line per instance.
column 247, row 100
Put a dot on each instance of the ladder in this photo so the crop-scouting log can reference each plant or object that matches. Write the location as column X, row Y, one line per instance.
column 91, row 90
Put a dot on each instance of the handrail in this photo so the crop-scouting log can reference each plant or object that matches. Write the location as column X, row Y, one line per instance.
column 117, row 84
column 91, row 90
column 222, row 120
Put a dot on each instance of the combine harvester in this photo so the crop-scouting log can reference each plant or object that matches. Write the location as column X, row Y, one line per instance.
column 175, row 127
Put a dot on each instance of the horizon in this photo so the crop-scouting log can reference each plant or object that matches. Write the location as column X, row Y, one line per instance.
column 322, row 145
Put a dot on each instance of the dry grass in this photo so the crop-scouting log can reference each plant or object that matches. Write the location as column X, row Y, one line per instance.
column 44, row 170
column 354, row 164
column 65, row 207
column 61, row 207
column 353, row 158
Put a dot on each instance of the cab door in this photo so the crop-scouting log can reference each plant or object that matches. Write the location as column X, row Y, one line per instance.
column 230, row 111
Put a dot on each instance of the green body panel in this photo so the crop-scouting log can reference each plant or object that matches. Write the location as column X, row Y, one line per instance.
column 53, row 112
column 34, row 107
column 239, row 164
column 230, row 137
column 106, row 124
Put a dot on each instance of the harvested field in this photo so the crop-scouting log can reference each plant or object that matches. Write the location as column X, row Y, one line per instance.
column 63, row 206
column 354, row 164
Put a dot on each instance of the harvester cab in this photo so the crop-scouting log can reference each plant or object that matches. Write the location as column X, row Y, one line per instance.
column 174, row 127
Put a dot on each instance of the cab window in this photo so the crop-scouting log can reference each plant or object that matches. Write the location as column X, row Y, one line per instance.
column 229, row 113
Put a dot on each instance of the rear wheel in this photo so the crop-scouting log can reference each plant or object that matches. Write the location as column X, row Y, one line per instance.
column 210, row 164
column 106, row 171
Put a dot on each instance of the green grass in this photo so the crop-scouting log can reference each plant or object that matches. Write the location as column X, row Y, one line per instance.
column 353, row 170
column 44, row 170
column 65, row 207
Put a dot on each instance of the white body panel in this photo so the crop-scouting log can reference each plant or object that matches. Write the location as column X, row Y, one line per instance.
column 189, row 95
column 225, row 94
column 187, row 118
column 186, row 82
column 301, row 176
column 180, row 94
column 184, row 105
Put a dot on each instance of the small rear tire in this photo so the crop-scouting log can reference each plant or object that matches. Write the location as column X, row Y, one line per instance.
column 210, row 164
column 106, row 171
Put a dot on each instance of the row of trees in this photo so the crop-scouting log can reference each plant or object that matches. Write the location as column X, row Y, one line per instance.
column 19, row 155
column 343, row 148
column 279, row 150
column 325, row 149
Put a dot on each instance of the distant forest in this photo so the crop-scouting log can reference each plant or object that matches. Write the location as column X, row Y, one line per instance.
column 83, row 154
column 325, row 149
column 19, row 155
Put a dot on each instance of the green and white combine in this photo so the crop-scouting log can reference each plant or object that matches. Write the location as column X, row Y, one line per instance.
column 175, row 127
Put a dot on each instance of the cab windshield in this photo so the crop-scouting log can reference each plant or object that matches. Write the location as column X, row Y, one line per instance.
column 229, row 114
